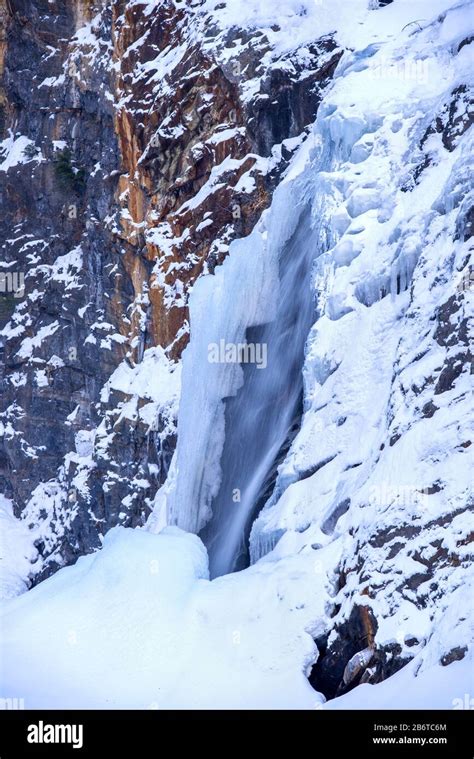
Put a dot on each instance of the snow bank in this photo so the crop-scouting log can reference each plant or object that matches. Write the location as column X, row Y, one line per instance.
column 437, row 688
column 138, row 625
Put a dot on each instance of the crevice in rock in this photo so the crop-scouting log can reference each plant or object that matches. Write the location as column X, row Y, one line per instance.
column 349, row 656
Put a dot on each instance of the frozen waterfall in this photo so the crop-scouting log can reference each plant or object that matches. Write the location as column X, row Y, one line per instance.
column 260, row 417
column 238, row 417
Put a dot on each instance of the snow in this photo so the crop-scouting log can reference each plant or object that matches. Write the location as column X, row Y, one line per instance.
column 195, row 651
column 241, row 641
column 53, row 81
column 41, row 378
column 30, row 343
column 155, row 378
column 12, row 150
column 438, row 688
column 164, row 63
column 290, row 25
column 17, row 552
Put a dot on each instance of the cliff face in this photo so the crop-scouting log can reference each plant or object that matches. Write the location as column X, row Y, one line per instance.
column 137, row 143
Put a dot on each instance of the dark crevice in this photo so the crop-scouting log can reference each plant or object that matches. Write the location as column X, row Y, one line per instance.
column 352, row 658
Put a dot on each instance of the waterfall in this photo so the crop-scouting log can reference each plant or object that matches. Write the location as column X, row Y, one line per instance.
column 237, row 419
column 260, row 417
